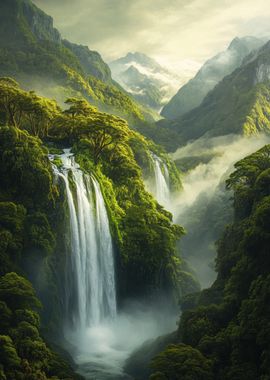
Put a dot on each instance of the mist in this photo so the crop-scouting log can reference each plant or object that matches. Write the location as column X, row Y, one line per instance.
column 103, row 349
column 204, row 206
column 121, row 26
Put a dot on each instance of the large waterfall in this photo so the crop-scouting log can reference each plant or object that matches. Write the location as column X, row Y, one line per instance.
column 91, row 286
column 101, row 339
column 162, row 181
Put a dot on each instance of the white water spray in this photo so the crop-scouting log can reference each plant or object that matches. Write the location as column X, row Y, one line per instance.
column 91, row 260
column 202, row 195
column 161, row 186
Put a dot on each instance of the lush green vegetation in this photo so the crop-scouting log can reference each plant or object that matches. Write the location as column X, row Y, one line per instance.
column 27, row 240
column 32, row 51
column 33, row 219
column 105, row 145
column 23, row 353
column 224, row 330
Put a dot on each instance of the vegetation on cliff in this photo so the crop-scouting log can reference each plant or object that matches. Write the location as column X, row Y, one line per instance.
column 32, row 51
column 225, row 329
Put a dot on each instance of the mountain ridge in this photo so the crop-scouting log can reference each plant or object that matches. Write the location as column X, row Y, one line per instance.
column 32, row 51
column 211, row 73
column 155, row 84
column 238, row 104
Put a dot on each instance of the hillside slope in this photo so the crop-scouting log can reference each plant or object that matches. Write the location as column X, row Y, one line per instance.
column 238, row 104
column 32, row 51
column 212, row 72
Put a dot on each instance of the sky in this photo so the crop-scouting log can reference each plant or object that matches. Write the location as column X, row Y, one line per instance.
column 180, row 34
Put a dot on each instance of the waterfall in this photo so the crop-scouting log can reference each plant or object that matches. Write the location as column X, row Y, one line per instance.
column 91, row 285
column 162, row 181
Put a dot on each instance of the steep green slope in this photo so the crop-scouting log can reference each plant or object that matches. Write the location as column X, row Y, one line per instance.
column 31, row 50
column 212, row 72
column 238, row 104
column 224, row 330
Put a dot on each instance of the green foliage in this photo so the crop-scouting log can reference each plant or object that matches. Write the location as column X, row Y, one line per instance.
column 33, row 219
column 17, row 292
column 228, row 324
column 9, row 357
column 23, row 353
column 142, row 225
column 25, row 109
column 181, row 362
column 32, row 51
column 233, row 329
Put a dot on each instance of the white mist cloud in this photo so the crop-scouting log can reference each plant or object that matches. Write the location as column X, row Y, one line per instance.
column 205, row 178
column 204, row 194
column 102, row 350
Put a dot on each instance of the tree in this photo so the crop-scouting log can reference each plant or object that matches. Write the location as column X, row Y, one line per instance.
column 101, row 133
column 18, row 292
column 181, row 362
column 79, row 107
column 8, row 354
column 11, row 97
column 38, row 113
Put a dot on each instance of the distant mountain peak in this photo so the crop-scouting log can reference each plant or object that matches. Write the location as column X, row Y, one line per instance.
column 248, row 42
column 139, row 58
column 145, row 79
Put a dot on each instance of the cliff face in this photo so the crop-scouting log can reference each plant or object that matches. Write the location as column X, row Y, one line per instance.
column 22, row 22
column 40, row 24
column 91, row 61
column 33, row 52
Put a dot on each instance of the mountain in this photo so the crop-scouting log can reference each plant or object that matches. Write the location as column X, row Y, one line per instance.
column 32, row 51
column 239, row 104
column 145, row 79
column 212, row 72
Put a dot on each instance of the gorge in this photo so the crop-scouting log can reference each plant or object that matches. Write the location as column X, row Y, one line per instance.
column 132, row 248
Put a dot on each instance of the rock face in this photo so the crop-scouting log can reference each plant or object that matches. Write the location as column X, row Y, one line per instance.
column 211, row 73
column 30, row 21
column 239, row 104
column 91, row 61
column 41, row 24
column 145, row 79
column 19, row 17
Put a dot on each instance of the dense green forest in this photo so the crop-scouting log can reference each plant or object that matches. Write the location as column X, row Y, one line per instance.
column 224, row 330
column 34, row 213
column 82, row 168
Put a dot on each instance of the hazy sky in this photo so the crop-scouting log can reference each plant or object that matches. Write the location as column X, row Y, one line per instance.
column 179, row 33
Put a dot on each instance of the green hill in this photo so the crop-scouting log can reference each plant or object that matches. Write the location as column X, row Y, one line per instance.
column 238, row 104
column 211, row 73
column 32, row 51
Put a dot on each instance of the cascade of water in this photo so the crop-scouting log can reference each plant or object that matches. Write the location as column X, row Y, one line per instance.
column 162, row 180
column 91, row 262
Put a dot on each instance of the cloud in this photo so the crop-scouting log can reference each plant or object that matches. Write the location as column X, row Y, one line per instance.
column 171, row 31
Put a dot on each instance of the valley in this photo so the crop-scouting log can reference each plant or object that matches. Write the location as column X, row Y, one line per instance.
column 134, row 206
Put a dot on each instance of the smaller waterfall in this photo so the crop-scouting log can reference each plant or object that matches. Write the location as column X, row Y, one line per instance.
column 91, row 289
column 162, row 181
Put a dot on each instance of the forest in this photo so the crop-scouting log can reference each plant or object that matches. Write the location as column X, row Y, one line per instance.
column 134, row 225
